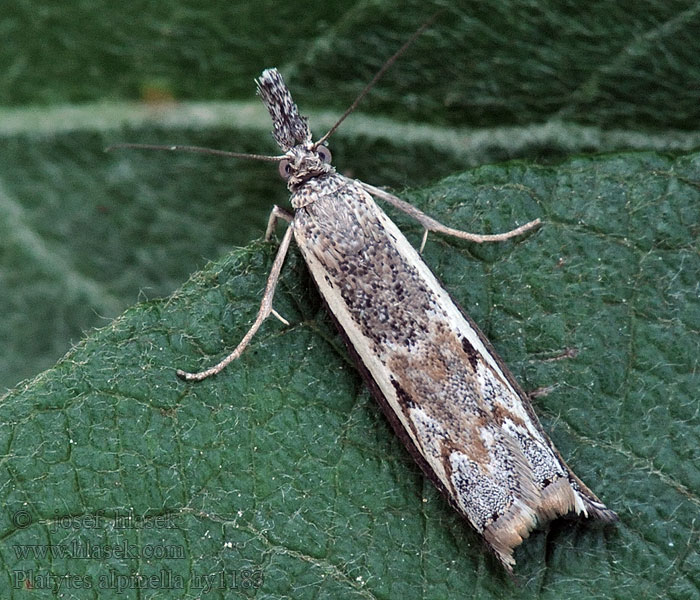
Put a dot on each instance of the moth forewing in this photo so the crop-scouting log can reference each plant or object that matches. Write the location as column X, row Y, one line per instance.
column 451, row 399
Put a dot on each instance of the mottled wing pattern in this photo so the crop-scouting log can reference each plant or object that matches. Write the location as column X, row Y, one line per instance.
column 445, row 390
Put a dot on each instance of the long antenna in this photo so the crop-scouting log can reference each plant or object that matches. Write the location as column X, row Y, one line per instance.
column 197, row 149
column 385, row 67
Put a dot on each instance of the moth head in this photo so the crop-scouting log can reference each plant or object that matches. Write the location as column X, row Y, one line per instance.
column 304, row 162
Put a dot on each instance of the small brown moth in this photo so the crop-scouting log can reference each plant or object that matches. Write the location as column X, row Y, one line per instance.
column 441, row 384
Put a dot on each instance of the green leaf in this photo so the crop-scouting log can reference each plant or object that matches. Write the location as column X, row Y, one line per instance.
column 84, row 234
column 283, row 472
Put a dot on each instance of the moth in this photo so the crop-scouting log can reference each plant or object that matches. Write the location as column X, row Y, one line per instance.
column 440, row 383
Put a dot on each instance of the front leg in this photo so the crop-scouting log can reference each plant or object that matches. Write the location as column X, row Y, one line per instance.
column 276, row 214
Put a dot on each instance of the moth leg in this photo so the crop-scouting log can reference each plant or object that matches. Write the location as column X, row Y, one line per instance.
column 276, row 214
column 431, row 224
column 264, row 311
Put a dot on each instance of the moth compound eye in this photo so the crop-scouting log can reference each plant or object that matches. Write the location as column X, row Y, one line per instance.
column 324, row 153
column 285, row 169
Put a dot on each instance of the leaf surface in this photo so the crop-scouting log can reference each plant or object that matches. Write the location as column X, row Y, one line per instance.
column 283, row 468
